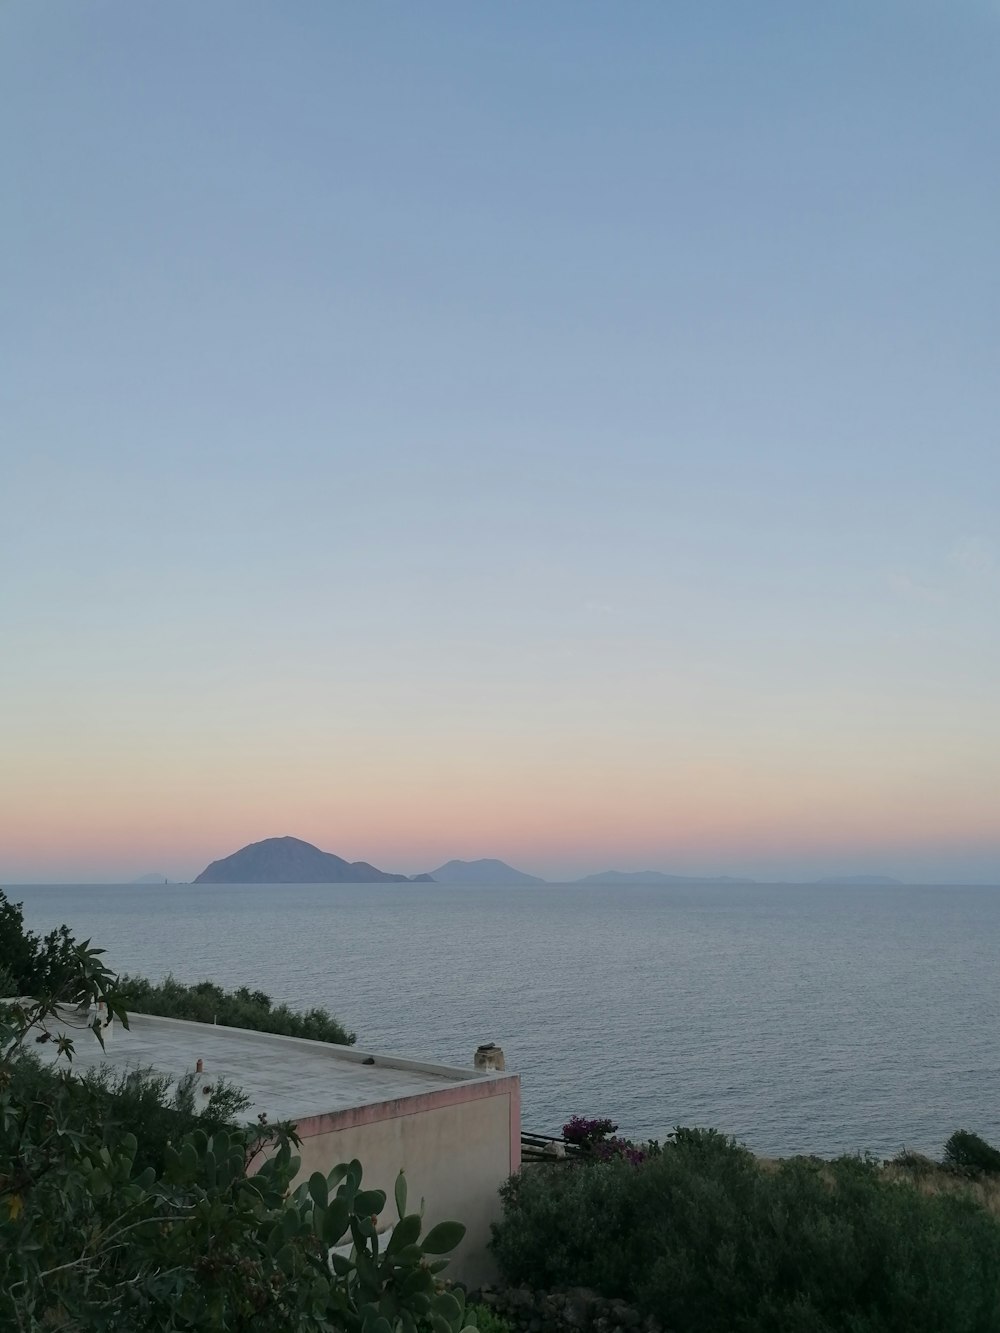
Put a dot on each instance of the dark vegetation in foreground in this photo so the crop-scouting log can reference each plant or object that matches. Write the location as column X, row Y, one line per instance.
column 154, row 1109
column 705, row 1238
column 121, row 1208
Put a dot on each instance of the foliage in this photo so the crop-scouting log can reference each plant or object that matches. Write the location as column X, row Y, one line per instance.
column 915, row 1165
column 598, row 1141
column 970, row 1155
column 208, row 1245
column 8, row 983
column 154, row 1108
column 17, row 948
column 31, row 964
column 206, row 1236
column 487, row 1320
column 585, row 1133
column 375, row 1289
column 206, row 1002
column 708, row 1240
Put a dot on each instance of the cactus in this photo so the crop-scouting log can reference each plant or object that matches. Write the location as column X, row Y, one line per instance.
column 374, row 1289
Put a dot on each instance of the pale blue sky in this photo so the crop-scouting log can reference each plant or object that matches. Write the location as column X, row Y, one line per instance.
column 415, row 404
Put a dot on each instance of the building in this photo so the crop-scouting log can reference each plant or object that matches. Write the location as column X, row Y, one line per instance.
column 455, row 1132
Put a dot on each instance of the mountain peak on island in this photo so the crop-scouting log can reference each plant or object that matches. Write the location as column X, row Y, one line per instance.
column 485, row 871
column 291, row 861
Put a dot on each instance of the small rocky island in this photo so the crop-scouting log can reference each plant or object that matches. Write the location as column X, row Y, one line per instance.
column 485, row 871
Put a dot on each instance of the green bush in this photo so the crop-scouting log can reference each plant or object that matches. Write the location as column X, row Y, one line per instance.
column 209, row 1236
column 152, row 1107
column 708, row 1240
column 31, row 965
column 487, row 1320
column 206, row 1002
column 970, row 1155
column 34, row 965
column 156, row 1110
column 916, row 1164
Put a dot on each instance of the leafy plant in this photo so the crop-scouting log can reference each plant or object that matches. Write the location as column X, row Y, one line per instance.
column 970, row 1155
column 487, row 1320
column 379, row 1289
column 31, row 964
column 206, row 1233
column 598, row 1140
column 151, row 1106
column 207, row 1002
column 708, row 1240
column 586, row 1133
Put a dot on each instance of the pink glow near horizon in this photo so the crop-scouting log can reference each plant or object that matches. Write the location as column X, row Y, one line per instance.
column 707, row 818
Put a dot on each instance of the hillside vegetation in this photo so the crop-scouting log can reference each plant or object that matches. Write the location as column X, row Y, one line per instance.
column 205, row 1002
column 704, row 1238
column 33, row 965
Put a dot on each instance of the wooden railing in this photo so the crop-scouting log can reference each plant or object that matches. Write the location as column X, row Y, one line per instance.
column 543, row 1148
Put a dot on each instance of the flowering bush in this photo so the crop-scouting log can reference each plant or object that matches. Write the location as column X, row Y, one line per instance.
column 625, row 1150
column 598, row 1139
column 586, row 1133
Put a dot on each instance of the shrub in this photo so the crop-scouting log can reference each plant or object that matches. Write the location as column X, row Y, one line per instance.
column 152, row 1107
column 597, row 1140
column 585, row 1133
column 916, row 1164
column 90, row 1240
column 207, row 1002
column 157, row 1111
column 970, row 1155
column 707, row 1241
column 487, row 1320
column 31, row 964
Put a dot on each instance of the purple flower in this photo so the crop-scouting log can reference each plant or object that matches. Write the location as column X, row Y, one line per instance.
column 586, row 1133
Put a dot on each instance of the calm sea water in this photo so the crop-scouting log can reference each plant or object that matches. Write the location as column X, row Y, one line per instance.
column 799, row 1018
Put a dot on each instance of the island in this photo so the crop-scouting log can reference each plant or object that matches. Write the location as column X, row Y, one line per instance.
column 655, row 877
column 485, row 871
column 292, row 861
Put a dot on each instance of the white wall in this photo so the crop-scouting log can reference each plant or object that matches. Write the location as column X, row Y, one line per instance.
column 455, row 1156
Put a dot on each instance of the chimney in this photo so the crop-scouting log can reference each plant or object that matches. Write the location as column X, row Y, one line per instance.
column 489, row 1059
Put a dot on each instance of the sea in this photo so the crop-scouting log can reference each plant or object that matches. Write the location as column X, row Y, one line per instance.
column 798, row 1018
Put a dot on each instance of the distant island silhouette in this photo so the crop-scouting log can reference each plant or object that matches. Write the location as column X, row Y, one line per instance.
column 859, row 879
column 292, row 861
column 485, row 871
column 656, row 877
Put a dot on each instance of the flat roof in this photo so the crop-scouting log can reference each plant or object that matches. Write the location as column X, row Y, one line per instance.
column 288, row 1078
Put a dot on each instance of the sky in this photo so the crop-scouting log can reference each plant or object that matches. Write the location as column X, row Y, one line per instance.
column 563, row 432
